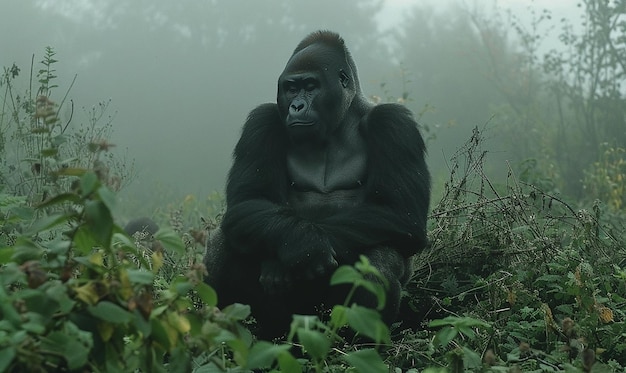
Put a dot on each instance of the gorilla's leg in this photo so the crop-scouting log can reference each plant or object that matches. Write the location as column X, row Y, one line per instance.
column 237, row 281
column 392, row 267
column 396, row 270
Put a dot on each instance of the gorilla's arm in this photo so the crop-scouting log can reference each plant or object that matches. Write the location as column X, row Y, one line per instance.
column 397, row 189
column 258, row 222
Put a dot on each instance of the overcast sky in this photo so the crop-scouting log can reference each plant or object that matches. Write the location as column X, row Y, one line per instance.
column 395, row 9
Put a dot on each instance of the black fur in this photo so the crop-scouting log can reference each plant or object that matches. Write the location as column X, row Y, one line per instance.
column 263, row 236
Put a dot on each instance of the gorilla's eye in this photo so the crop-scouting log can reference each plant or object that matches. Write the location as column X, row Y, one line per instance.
column 291, row 88
column 311, row 86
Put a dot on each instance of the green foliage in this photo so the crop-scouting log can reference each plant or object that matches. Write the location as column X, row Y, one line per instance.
column 317, row 339
column 37, row 148
column 515, row 278
column 606, row 178
column 83, row 298
column 75, row 300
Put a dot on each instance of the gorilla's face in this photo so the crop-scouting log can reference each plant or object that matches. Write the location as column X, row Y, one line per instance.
column 314, row 93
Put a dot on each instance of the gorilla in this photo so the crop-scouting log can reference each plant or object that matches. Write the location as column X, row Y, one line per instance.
column 318, row 179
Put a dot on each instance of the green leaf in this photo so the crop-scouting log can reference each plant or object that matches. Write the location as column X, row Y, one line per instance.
column 72, row 171
column 111, row 312
column 315, row 343
column 25, row 250
column 240, row 350
column 159, row 333
column 468, row 332
column 301, row 321
column 59, row 199
column 58, row 292
column 22, row 212
column 140, row 276
column 440, row 322
column 365, row 268
column 50, row 152
column 59, row 140
column 345, row 275
column 9, row 313
column 237, row 311
column 458, row 322
column 366, row 361
column 34, row 324
column 471, row 359
column 376, row 289
column 99, row 221
column 181, row 285
column 107, row 197
column 6, row 253
column 367, row 322
column 72, row 350
column 170, row 240
column 141, row 324
column 288, row 363
column 88, row 183
column 120, row 238
column 46, row 223
column 207, row 294
column 263, row 354
column 84, row 241
column 214, row 368
column 7, row 354
column 39, row 302
column 179, row 361
column 444, row 336
column 338, row 317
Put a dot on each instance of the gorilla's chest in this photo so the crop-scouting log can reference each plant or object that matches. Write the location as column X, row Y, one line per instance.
column 330, row 177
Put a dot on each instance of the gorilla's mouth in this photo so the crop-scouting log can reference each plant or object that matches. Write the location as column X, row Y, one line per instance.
column 301, row 124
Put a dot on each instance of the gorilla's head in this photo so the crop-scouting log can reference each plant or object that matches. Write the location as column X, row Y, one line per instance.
column 317, row 87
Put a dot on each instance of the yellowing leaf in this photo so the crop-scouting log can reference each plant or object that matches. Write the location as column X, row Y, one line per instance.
column 157, row 261
column 126, row 288
column 179, row 322
column 106, row 330
column 97, row 258
column 88, row 293
column 606, row 314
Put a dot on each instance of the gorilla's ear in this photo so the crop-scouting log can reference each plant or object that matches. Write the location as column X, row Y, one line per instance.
column 343, row 77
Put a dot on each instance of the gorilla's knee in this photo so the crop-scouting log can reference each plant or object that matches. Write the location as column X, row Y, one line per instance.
column 396, row 270
column 214, row 257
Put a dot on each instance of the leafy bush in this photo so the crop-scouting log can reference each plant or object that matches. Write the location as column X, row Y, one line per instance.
column 515, row 277
column 78, row 294
column 36, row 145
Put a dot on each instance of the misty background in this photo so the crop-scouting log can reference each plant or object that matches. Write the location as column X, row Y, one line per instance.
column 176, row 79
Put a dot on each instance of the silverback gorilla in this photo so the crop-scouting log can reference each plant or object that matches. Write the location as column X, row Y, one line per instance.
column 318, row 179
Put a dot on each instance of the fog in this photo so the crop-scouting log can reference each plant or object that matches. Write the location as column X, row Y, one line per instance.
column 179, row 77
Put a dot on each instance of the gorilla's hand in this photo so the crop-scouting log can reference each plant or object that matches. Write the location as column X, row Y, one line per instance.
column 309, row 255
column 275, row 279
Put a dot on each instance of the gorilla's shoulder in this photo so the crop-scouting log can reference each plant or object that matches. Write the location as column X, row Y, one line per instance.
column 390, row 120
column 390, row 107
column 264, row 114
column 263, row 121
